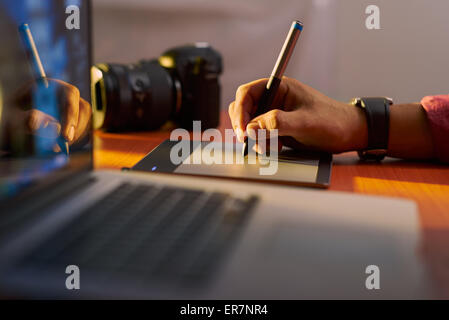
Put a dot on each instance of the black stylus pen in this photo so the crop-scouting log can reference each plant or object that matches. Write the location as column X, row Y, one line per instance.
column 270, row 91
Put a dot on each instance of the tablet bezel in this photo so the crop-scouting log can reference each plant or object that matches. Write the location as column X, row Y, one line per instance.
column 158, row 160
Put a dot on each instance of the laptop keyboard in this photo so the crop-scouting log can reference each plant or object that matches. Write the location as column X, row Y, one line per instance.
column 149, row 233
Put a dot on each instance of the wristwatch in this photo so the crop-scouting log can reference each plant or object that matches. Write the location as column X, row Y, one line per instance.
column 377, row 111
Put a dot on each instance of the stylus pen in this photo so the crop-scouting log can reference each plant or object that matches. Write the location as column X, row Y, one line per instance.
column 38, row 69
column 278, row 71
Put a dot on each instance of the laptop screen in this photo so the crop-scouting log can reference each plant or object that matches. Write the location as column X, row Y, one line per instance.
column 45, row 112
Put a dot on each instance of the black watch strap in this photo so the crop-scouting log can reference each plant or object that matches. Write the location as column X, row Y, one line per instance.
column 377, row 111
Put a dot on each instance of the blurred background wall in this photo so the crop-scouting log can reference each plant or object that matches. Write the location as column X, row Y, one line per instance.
column 406, row 59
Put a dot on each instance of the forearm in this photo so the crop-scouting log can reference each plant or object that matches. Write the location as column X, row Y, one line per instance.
column 410, row 136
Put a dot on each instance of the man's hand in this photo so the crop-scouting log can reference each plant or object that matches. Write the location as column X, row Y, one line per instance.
column 303, row 116
column 75, row 113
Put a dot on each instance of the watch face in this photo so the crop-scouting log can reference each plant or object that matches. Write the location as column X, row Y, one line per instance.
column 356, row 102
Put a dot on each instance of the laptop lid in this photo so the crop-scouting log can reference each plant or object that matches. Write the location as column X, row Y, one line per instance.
column 45, row 59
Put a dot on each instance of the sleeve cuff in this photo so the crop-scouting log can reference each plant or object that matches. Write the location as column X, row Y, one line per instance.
column 437, row 110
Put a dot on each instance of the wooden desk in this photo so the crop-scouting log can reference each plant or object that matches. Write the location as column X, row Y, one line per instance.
column 425, row 183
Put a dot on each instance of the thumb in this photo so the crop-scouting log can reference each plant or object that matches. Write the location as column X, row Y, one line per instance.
column 275, row 122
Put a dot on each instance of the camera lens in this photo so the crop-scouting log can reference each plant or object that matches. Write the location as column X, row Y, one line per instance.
column 132, row 97
column 181, row 85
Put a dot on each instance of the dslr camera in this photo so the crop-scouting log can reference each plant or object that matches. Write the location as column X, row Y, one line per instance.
column 182, row 85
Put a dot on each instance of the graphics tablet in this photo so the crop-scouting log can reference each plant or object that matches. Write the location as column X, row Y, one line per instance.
column 215, row 159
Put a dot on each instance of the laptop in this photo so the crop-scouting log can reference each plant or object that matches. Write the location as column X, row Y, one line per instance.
column 68, row 231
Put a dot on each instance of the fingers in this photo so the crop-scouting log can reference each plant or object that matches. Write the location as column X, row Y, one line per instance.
column 84, row 115
column 70, row 102
column 42, row 124
column 238, row 121
column 75, row 115
column 276, row 122
column 243, row 107
column 75, row 111
column 246, row 99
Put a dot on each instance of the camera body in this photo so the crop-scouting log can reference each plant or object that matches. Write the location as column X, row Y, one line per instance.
column 182, row 85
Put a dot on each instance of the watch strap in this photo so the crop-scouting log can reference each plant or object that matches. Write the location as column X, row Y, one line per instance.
column 378, row 119
column 377, row 110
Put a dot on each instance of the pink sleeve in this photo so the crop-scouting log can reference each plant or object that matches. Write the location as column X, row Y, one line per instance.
column 437, row 109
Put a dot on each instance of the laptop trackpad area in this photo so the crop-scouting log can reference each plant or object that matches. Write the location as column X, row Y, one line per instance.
column 313, row 260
